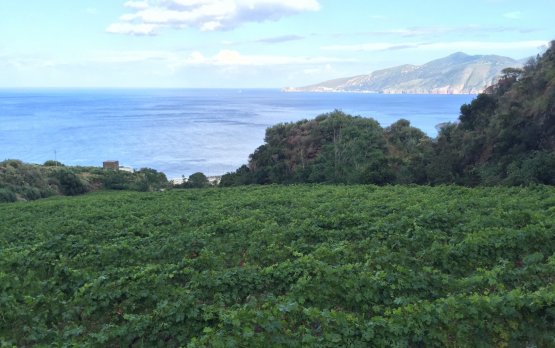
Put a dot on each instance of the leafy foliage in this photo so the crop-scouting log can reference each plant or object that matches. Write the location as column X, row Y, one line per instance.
column 321, row 266
column 147, row 179
column 52, row 163
column 332, row 148
column 23, row 181
column 197, row 180
column 69, row 183
column 507, row 134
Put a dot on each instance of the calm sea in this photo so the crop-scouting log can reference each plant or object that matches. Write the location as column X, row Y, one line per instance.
column 181, row 131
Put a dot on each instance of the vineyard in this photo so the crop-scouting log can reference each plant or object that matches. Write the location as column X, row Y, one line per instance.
column 284, row 266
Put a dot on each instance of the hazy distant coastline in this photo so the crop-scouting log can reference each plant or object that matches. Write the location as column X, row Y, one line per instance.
column 392, row 92
column 458, row 73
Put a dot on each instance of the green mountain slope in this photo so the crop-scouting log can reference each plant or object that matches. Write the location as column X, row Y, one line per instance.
column 507, row 134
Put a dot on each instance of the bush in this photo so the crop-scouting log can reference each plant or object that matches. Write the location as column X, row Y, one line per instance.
column 31, row 193
column 7, row 195
column 113, row 180
column 241, row 176
column 12, row 163
column 147, row 179
column 538, row 168
column 197, row 180
column 31, row 181
column 70, row 184
column 52, row 163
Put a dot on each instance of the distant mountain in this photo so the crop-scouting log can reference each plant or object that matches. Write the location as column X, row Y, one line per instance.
column 458, row 73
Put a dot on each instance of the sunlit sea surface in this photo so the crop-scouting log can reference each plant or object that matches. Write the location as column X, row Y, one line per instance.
column 182, row 131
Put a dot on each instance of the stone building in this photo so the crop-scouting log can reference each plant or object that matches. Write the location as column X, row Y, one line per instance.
column 112, row 165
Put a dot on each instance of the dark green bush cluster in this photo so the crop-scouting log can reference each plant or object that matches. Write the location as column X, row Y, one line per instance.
column 69, row 183
column 7, row 195
column 195, row 180
column 144, row 180
column 23, row 181
column 52, row 163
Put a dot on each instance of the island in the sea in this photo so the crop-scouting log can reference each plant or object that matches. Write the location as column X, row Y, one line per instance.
column 458, row 73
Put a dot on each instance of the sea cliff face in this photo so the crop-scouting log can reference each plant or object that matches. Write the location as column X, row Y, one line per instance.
column 458, row 73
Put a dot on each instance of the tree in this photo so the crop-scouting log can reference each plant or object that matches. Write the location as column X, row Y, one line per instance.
column 334, row 147
column 197, row 180
column 406, row 146
column 148, row 179
column 241, row 176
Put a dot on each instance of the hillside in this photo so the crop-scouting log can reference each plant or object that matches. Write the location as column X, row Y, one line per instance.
column 21, row 181
column 505, row 136
column 458, row 73
column 310, row 266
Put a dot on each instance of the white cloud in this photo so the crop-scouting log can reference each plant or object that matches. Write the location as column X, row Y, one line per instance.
column 318, row 70
column 279, row 39
column 131, row 29
column 207, row 15
column 223, row 58
column 230, row 57
column 132, row 56
column 136, row 4
column 454, row 45
column 427, row 32
column 28, row 63
column 374, row 46
column 272, row 40
column 485, row 45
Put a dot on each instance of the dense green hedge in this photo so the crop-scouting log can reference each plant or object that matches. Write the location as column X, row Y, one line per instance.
column 281, row 266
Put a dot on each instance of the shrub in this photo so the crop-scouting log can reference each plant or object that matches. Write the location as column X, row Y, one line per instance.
column 537, row 168
column 30, row 193
column 7, row 195
column 197, row 180
column 113, row 180
column 147, row 179
column 12, row 163
column 52, row 163
column 70, row 184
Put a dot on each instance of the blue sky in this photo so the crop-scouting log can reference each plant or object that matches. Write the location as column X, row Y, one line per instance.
column 250, row 43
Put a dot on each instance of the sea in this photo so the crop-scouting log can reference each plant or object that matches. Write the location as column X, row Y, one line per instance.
column 183, row 131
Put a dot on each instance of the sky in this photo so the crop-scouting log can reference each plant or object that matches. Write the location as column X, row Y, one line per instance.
column 251, row 43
